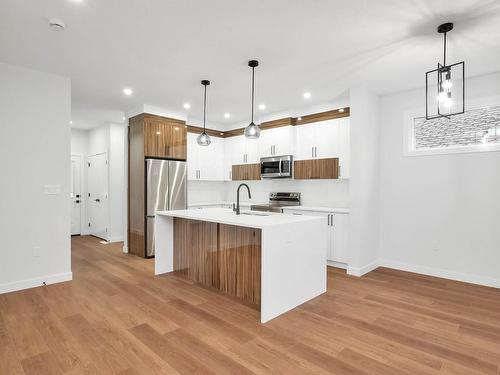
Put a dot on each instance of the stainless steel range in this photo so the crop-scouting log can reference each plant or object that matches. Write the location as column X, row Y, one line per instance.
column 277, row 201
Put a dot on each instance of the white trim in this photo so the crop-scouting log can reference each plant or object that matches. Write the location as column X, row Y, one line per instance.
column 439, row 272
column 360, row 271
column 125, row 249
column 36, row 282
column 115, row 239
column 332, row 263
column 410, row 115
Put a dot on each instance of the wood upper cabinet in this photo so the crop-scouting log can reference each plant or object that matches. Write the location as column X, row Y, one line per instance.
column 165, row 138
column 244, row 172
column 316, row 169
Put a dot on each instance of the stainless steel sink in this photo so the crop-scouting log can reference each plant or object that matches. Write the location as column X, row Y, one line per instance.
column 254, row 213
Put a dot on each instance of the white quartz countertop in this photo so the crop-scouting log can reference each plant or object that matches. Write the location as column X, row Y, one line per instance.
column 319, row 209
column 227, row 216
column 219, row 203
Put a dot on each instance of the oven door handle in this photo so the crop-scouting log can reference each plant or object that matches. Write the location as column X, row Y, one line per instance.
column 281, row 168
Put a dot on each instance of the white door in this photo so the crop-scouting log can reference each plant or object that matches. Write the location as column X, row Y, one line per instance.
column 97, row 177
column 76, row 195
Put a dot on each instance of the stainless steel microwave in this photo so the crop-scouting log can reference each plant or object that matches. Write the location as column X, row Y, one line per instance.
column 276, row 167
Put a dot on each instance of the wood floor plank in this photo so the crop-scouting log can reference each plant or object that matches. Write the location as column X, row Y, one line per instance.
column 116, row 317
column 41, row 364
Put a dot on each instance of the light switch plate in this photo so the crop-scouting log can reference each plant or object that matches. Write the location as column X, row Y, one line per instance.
column 52, row 189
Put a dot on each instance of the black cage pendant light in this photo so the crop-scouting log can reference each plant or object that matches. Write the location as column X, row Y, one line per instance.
column 445, row 86
column 252, row 131
column 204, row 139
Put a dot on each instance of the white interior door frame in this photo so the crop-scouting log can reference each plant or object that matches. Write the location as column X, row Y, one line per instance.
column 107, row 207
column 82, row 191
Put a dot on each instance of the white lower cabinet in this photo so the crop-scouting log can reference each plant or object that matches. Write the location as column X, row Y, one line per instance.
column 338, row 234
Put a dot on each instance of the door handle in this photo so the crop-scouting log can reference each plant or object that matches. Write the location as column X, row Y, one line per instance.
column 97, row 200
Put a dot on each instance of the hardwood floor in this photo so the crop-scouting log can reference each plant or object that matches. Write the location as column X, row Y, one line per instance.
column 116, row 318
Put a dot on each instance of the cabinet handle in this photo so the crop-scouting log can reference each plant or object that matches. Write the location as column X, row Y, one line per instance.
column 312, row 152
column 328, row 220
column 315, row 152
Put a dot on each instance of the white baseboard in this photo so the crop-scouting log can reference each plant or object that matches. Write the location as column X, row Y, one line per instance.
column 115, row 239
column 125, row 249
column 32, row 283
column 331, row 263
column 360, row 271
column 445, row 274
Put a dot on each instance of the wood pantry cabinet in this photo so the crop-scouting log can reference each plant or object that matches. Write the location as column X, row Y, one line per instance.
column 148, row 136
column 244, row 172
column 316, row 169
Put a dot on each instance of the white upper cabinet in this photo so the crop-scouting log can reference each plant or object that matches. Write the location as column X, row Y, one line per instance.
column 205, row 162
column 243, row 150
column 324, row 139
column 276, row 141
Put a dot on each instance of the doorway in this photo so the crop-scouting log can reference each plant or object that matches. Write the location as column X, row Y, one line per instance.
column 97, row 185
column 76, row 194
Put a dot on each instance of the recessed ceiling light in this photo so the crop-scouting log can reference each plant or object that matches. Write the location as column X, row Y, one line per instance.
column 307, row 95
column 262, row 107
column 124, row 118
column 127, row 91
column 341, row 110
column 227, row 115
column 187, row 105
column 70, row 122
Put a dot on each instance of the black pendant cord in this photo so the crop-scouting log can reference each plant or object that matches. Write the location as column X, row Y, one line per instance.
column 204, row 107
column 253, row 88
column 444, row 52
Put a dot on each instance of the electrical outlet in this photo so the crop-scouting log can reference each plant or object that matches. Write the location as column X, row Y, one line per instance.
column 37, row 251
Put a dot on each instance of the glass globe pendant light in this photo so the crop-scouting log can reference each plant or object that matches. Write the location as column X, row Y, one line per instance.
column 252, row 131
column 204, row 139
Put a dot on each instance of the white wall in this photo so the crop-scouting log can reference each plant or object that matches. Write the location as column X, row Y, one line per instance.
column 440, row 215
column 116, row 182
column 364, row 181
column 328, row 193
column 35, row 110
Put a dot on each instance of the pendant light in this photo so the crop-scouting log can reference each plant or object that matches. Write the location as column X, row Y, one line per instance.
column 252, row 131
column 204, row 139
column 449, row 97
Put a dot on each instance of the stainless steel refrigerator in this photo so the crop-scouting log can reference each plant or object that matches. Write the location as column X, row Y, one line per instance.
column 166, row 189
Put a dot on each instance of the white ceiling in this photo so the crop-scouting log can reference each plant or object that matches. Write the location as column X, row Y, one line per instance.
column 162, row 49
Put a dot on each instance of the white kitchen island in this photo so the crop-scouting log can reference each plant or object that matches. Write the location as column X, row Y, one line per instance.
column 275, row 261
